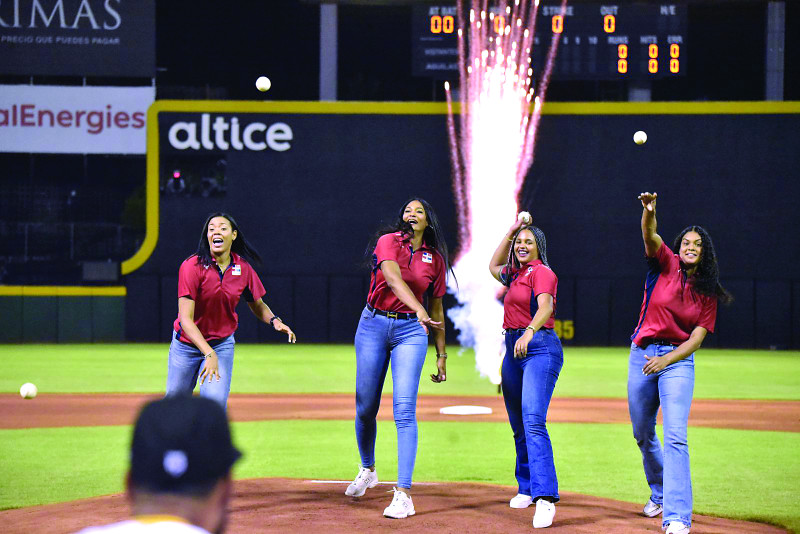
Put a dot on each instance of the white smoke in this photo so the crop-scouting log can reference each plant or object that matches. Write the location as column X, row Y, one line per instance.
column 491, row 154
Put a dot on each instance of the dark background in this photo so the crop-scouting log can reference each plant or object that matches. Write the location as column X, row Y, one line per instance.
column 311, row 212
column 735, row 174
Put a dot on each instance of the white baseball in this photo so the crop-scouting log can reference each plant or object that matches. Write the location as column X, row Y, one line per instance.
column 28, row 390
column 525, row 217
column 640, row 137
column 263, row 83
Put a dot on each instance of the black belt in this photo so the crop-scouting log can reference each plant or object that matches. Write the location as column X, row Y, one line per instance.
column 391, row 314
column 211, row 342
column 663, row 342
column 515, row 330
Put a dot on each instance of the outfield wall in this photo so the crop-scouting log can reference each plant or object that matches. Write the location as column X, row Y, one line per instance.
column 309, row 182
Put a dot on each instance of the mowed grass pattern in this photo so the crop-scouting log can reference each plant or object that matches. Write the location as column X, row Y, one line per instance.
column 732, row 475
column 735, row 473
column 318, row 368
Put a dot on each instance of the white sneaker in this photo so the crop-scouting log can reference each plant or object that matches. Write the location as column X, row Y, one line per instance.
column 652, row 509
column 401, row 506
column 520, row 500
column 365, row 479
column 545, row 512
column 676, row 527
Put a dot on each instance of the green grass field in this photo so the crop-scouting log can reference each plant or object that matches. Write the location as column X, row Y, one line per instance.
column 587, row 372
column 736, row 473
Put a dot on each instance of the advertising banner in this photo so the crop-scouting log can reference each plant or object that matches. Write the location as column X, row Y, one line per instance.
column 78, row 38
column 74, row 120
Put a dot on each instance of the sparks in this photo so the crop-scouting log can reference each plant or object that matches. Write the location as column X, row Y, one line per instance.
column 491, row 150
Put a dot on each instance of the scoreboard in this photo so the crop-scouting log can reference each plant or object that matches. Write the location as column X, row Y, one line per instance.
column 635, row 41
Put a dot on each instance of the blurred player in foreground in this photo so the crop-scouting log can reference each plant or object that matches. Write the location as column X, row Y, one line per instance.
column 180, row 474
column 678, row 310
column 532, row 363
column 409, row 261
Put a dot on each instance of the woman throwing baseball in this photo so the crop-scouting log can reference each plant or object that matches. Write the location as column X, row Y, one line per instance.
column 532, row 362
column 210, row 284
column 678, row 310
column 408, row 262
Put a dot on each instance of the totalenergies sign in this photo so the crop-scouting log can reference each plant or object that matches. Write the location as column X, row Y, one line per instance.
column 74, row 120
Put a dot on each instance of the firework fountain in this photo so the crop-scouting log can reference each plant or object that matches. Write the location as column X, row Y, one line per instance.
column 491, row 150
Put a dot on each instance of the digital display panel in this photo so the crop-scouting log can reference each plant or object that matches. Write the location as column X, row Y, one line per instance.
column 597, row 40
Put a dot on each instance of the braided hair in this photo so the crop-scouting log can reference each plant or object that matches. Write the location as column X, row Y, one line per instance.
column 541, row 247
column 706, row 280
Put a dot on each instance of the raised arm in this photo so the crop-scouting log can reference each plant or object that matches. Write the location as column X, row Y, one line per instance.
column 500, row 255
column 652, row 241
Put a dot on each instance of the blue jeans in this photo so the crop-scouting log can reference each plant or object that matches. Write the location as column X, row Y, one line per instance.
column 379, row 341
column 185, row 363
column 667, row 472
column 528, row 385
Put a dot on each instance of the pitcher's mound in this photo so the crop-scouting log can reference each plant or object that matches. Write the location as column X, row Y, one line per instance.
column 305, row 507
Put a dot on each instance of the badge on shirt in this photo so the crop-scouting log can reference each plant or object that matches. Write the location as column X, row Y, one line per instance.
column 530, row 270
column 427, row 257
column 237, row 270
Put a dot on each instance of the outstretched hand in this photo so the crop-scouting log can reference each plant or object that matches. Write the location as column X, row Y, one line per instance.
column 280, row 327
column 648, row 200
column 428, row 323
column 210, row 368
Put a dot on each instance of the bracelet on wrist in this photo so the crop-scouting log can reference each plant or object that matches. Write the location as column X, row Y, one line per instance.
column 510, row 239
column 272, row 321
column 532, row 329
column 442, row 355
column 209, row 354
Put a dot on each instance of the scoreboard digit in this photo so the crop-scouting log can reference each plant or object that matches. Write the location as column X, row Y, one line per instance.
column 597, row 40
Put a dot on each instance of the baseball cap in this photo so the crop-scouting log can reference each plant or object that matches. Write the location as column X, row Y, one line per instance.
column 180, row 442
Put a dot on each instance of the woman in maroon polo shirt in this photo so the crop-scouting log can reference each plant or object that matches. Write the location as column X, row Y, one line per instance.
column 678, row 310
column 210, row 284
column 532, row 363
column 408, row 262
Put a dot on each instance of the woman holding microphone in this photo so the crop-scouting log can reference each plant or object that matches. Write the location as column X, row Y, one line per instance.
column 409, row 261
column 532, row 362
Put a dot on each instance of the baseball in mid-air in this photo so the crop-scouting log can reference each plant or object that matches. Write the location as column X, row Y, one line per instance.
column 28, row 390
column 525, row 217
column 640, row 137
column 263, row 83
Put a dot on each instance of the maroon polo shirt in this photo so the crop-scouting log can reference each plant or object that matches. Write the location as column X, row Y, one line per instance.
column 671, row 307
column 216, row 295
column 527, row 283
column 422, row 269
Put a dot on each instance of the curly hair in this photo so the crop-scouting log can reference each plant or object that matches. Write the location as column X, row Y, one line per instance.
column 707, row 275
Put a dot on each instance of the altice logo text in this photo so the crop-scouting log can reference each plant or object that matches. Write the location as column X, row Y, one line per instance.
column 224, row 135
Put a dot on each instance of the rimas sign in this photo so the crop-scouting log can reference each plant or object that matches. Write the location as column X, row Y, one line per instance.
column 77, row 37
column 74, row 120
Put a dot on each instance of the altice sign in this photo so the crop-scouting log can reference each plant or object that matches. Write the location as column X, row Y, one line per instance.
column 229, row 133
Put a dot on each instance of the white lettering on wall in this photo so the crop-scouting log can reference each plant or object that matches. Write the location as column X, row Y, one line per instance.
column 256, row 136
column 64, row 17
